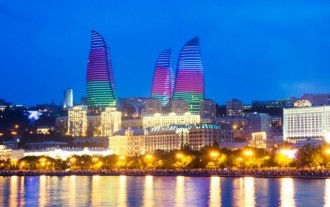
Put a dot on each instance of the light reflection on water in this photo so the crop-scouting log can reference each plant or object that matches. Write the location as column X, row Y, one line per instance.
column 287, row 192
column 327, row 193
column 215, row 191
column 162, row 191
column 248, row 185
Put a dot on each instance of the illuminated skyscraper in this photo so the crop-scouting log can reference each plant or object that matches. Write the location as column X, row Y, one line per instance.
column 189, row 82
column 101, row 90
column 163, row 81
column 68, row 98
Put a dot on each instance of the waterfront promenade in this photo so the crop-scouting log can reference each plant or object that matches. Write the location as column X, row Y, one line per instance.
column 296, row 173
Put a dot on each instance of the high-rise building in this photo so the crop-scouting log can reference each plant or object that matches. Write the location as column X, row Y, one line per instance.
column 234, row 108
column 77, row 121
column 101, row 90
column 110, row 121
column 207, row 108
column 189, row 79
column 68, row 98
column 163, row 80
column 306, row 124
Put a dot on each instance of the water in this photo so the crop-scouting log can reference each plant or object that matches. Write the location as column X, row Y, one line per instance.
column 162, row 191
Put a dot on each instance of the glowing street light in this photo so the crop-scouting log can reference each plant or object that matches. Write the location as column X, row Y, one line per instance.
column 72, row 160
column 149, row 157
column 179, row 155
column 122, row 158
column 248, row 153
column 214, row 154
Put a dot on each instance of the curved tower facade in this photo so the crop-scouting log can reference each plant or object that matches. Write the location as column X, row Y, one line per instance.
column 163, row 80
column 101, row 90
column 189, row 82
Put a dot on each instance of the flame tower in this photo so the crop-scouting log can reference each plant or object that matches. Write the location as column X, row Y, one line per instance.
column 101, row 90
column 163, row 80
column 189, row 83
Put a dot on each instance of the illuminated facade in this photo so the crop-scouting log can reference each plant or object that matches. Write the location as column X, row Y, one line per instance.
column 159, row 120
column 163, row 81
column 305, row 124
column 302, row 103
column 165, row 138
column 128, row 142
column 259, row 139
column 68, row 98
column 77, row 121
column 5, row 153
column 110, row 121
column 176, row 136
column 189, row 82
column 101, row 90
column 66, row 153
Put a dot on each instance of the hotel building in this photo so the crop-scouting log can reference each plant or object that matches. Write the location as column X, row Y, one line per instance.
column 306, row 124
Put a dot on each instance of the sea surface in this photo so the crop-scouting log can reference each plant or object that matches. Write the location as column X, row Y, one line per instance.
column 162, row 191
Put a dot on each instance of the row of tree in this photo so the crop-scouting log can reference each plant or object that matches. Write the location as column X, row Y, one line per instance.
column 210, row 157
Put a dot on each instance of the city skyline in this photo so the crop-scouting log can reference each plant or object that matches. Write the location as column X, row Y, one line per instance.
column 251, row 51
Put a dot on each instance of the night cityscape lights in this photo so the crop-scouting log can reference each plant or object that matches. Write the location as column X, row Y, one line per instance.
column 189, row 79
column 163, row 80
column 101, row 90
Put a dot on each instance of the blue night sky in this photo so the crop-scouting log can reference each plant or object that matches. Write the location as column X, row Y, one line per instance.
column 251, row 50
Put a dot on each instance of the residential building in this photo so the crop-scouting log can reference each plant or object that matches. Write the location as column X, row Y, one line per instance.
column 110, row 121
column 207, row 108
column 234, row 108
column 77, row 121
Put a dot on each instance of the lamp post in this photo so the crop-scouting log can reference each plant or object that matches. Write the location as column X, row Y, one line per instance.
column 179, row 155
column 214, row 154
column 248, row 153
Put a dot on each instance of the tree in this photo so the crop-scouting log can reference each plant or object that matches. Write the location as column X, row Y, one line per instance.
column 282, row 160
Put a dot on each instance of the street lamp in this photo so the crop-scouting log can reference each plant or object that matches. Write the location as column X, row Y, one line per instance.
column 149, row 157
column 179, row 155
column 214, row 154
column 248, row 153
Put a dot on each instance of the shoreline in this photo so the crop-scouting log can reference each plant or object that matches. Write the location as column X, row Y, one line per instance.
column 296, row 174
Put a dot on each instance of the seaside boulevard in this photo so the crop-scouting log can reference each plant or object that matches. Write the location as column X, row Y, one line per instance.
column 262, row 173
